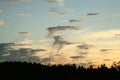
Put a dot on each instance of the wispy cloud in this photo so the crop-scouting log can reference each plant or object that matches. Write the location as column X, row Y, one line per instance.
column 105, row 50
column 59, row 43
column 24, row 33
column 84, row 46
column 1, row 22
column 77, row 57
column 55, row 2
column 59, row 12
column 75, row 21
column 93, row 14
column 53, row 30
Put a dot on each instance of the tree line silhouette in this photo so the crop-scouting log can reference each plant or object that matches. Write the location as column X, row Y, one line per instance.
column 37, row 71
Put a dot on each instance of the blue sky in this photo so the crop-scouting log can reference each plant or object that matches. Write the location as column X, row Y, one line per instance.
column 77, row 31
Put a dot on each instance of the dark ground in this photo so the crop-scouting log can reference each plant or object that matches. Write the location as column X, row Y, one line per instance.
column 29, row 71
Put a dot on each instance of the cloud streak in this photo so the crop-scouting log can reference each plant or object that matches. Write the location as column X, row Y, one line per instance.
column 75, row 21
column 76, row 57
column 93, row 14
column 53, row 30
column 24, row 33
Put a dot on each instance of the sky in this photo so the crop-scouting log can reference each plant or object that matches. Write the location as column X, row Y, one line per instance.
column 84, row 32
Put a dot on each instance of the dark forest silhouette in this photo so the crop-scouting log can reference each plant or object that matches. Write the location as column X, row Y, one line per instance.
column 35, row 71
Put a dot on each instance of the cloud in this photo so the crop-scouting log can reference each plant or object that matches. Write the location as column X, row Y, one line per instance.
column 76, row 57
column 59, row 12
column 107, row 59
column 93, row 14
column 106, row 34
column 53, row 30
column 75, row 21
column 59, row 43
column 83, row 53
column 84, row 46
column 55, row 2
column 25, row 14
column 38, row 50
column 1, row 22
column 105, row 50
column 117, row 35
column 2, row 10
column 24, row 33
column 8, row 52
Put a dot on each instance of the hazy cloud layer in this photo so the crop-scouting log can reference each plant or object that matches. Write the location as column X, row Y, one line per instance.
column 93, row 14
column 55, row 2
column 59, row 12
